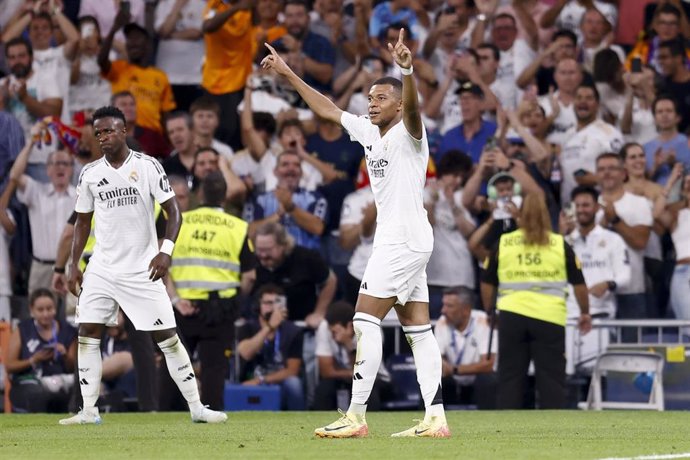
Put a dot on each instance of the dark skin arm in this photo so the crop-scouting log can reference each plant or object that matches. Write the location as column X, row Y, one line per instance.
column 82, row 228
column 412, row 116
column 160, row 264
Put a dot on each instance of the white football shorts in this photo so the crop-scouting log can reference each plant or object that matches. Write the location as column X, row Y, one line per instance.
column 146, row 303
column 396, row 271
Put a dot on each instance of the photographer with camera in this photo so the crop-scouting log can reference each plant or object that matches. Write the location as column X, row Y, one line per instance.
column 271, row 348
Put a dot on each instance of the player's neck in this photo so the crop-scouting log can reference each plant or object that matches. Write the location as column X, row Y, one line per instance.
column 117, row 159
column 383, row 129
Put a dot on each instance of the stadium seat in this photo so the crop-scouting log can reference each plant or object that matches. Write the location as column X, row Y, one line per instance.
column 403, row 374
column 637, row 362
column 5, row 332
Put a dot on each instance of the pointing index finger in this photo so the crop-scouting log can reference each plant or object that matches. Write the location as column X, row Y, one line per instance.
column 401, row 36
column 271, row 49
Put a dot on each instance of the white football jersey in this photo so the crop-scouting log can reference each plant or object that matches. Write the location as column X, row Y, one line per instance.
column 604, row 256
column 396, row 164
column 581, row 150
column 122, row 201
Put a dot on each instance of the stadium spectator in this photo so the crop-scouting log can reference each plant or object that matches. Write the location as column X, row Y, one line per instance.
column 208, row 160
column 392, row 12
column 181, row 47
column 205, row 113
column 451, row 262
column 531, row 306
column 210, row 263
column 474, row 132
column 311, row 54
column 271, row 348
column 676, row 78
column 463, row 337
column 541, row 70
column 585, row 142
column 181, row 161
column 52, row 61
column 49, row 204
column 357, row 226
column 596, row 37
column 335, row 350
column 610, row 83
column 567, row 14
column 636, row 120
column 675, row 217
column 529, row 13
column 631, row 217
column 330, row 20
column 229, row 40
column 568, row 77
column 353, row 85
column 666, row 26
column 449, row 35
column 8, row 226
column 137, row 138
column 11, row 143
column 301, row 212
column 605, row 263
column 106, row 12
column 30, row 96
column 88, row 90
column 669, row 146
column 268, row 27
column 497, row 92
column 148, row 84
column 41, row 357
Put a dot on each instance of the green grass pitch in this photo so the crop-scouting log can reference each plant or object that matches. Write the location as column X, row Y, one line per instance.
column 264, row 435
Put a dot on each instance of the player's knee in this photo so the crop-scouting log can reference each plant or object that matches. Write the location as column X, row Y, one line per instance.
column 94, row 331
column 160, row 336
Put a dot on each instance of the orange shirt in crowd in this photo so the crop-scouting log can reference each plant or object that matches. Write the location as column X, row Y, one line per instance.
column 229, row 51
column 268, row 36
column 150, row 87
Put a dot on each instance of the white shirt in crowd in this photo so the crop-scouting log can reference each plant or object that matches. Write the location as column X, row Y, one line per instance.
column 581, row 149
column 565, row 120
column 604, row 256
column 571, row 16
column 352, row 214
column 681, row 235
column 122, row 201
column 5, row 282
column 468, row 346
column 397, row 165
column 91, row 91
column 451, row 262
column 54, row 65
column 450, row 115
column 48, row 214
column 633, row 210
column 512, row 63
column 643, row 127
column 181, row 60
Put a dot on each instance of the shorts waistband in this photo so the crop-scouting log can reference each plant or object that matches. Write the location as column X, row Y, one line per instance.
column 42, row 261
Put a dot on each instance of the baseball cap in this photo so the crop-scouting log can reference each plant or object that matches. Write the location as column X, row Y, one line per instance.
column 469, row 87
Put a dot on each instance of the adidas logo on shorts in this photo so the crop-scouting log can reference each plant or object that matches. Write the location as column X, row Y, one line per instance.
column 103, row 182
column 158, row 322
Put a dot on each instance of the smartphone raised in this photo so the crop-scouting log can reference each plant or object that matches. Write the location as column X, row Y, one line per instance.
column 636, row 65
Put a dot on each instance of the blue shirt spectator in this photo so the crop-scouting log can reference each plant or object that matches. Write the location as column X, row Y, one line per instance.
column 387, row 13
column 678, row 145
column 455, row 140
column 11, row 142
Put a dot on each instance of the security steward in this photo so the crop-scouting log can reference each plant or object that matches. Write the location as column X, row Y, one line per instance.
column 532, row 268
column 210, row 263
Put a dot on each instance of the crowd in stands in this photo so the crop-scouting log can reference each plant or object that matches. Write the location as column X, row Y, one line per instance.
column 583, row 102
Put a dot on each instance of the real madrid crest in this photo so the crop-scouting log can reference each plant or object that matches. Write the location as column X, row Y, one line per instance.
column 133, row 177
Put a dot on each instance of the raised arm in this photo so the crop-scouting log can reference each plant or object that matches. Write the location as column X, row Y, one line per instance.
column 317, row 102
column 412, row 116
column 214, row 23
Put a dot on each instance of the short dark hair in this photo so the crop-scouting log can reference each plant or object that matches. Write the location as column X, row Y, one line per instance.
column 340, row 312
column 465, row 294
column 179, row 114
column 106, row 112
column 120, row 94
column 43, row 15
column 383, row 34
column 492, row 47
column 269, row 288
column 584, row 190
column 593, row 88
column 291, row 122
column 569, row 34
column 504, row 16
column 38, row 293
column 204, row 103
column 264, row 121
column 297, row 3
column 667, row 8
column 201, row 150
column 453, row 162
column 19, row 41
column 394, row 82
column 606, row 155
column 675, row 46
column 664, row 97
column 214, row 189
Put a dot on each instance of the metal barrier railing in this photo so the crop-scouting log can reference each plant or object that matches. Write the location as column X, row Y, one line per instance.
column 662, row 328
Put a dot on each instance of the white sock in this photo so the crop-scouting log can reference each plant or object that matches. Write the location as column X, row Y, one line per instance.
column 367, row 361
column 180, row 369
column 90, row 369
column 427, row 359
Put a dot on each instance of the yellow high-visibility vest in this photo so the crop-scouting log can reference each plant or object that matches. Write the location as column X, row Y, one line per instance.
column 532, row 280
column 206, row 257
column 91, row 240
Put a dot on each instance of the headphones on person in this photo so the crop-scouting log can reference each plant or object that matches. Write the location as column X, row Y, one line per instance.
column 491, row 191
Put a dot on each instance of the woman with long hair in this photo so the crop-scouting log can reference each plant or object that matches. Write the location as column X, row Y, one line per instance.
column 530, row 270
